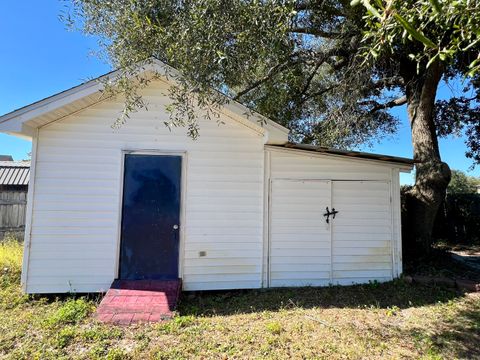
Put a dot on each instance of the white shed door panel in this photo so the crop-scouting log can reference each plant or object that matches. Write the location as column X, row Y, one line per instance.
column 361, row 232
column 355, row 247
column 300, row 252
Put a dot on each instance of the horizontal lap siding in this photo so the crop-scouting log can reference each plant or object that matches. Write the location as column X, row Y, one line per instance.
column 299, row 238
column 369, row 255
column 361, row 248
column 77, row 195
column 289, row 165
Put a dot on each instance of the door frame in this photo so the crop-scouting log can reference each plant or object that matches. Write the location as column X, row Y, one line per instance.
column 183, row 193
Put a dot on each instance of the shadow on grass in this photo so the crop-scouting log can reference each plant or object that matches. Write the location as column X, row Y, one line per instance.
column 396, row 293
column 461, row 334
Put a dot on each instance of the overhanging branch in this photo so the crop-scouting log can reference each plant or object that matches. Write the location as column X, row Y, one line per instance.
column 314, row 32
column 275, row 70
column 376, row 106
column 317, row 93
column 271, row 73
column 387, row 82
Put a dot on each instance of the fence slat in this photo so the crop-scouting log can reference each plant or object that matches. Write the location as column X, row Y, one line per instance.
column 12, row 211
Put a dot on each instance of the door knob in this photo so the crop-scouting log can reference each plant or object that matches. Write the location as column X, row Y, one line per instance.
column 175, row 227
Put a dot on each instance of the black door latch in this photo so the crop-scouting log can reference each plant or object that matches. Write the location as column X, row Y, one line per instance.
column 328, row 213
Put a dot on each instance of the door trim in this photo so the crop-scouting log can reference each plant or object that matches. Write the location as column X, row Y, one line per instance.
column 183, row 193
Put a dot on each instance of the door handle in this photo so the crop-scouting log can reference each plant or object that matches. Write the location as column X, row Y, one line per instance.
column 175, row 227
column 328, row 213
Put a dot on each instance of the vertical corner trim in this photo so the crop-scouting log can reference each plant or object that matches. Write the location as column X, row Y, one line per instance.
column 29, row 213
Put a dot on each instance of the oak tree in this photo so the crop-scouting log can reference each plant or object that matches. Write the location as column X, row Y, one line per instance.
column 329, row 70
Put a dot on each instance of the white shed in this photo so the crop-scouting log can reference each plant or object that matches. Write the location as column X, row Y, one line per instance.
column 240, row 207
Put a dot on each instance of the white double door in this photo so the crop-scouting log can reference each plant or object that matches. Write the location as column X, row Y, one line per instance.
column 307, row 250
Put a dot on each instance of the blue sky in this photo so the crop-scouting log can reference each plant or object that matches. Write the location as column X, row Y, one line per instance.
column 39, row 57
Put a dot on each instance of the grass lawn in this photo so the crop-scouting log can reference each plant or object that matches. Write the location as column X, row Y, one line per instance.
column 393, row 320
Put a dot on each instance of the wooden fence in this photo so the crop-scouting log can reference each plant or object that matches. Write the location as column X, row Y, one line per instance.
column 13, row 205
column 458, row 219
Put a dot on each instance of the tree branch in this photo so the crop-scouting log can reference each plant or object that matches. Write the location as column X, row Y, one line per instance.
column 271, row 73
column 390, row 104
column 314, row 32
column 387, row 82
column 310, row 78
column 317, row 93
column 280, row 67
column 315, row 5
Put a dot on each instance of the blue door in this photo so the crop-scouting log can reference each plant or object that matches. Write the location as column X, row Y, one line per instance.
column 150, row 217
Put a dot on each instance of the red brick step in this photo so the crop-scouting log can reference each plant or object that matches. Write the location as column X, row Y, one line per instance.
column 135, row 301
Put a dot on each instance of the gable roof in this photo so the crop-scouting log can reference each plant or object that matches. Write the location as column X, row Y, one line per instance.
column 22, row 122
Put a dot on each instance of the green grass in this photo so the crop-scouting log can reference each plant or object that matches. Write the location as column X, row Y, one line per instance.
column 393, row 320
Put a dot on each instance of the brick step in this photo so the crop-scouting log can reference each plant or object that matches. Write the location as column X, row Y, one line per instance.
column 134, row 301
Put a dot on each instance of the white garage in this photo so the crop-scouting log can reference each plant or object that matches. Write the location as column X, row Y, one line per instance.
column 240, row 207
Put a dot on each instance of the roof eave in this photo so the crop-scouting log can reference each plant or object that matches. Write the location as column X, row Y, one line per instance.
column 403, row 164
column 20, row 122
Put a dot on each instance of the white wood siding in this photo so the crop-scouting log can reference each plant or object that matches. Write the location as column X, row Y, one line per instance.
column 364, row 238
column 76, row 208
column 297, row 164
column 361, row 232
column 300, row 246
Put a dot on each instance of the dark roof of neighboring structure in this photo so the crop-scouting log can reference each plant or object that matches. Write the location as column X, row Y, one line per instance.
column 6, row 158
column 14, row 172
column 355, row 154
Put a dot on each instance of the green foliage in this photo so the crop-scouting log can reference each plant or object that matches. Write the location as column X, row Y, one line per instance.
column 461, row 183
column 274, row 327
column 117, row 354
column 458, row 221
column 258, row 324
column 100, row 333
column 392, row 311
column 65, row 336
column 327, row 70
column 438, row 34
column 295, row 64
column 176, row 324
column 11, row 253
column 71, row 312
column 435, row 30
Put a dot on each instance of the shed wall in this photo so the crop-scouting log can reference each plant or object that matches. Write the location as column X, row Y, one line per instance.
column 365, row 236
column 76, row 208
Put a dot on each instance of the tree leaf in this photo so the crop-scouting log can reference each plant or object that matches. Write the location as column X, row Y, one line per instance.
column 431, row 61
column 414, row 32
column 436, row 6
column 371, row 9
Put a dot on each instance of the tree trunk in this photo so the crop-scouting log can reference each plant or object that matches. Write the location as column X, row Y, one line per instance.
column 432, row 175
